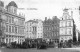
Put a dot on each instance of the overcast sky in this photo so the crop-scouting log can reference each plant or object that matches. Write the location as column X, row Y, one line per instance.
column 45, row 8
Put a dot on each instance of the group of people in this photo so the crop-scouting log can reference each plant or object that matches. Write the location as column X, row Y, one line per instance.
column 39, row 43
column 65, row 44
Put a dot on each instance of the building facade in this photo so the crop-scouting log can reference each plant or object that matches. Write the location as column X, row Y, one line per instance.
column 51, row 29
column 34, row 29
column 11, row 25
column 77, row 35
column 67, row 26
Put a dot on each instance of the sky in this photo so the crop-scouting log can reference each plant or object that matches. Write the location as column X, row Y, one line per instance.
column 39, row 9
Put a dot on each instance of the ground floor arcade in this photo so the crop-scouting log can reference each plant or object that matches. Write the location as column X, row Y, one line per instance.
column 12, row 38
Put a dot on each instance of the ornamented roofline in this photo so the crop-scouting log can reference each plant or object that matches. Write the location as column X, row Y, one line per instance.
column 7, row 12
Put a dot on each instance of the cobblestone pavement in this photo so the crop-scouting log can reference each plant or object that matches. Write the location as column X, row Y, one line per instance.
column 76, row 49
column 37, row 50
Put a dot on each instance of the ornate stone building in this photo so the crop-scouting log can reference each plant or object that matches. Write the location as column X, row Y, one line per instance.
column 11, row 24
column 51, row 29
column 67, row 26
column 34, row 29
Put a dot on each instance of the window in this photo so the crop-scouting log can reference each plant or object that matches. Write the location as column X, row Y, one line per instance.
column 30, row 29
column 68, row 17
column 69, row 23
column 12, row 28
column 22, row 22
column 18, row 29
column 69, row 30
column 6, row 28
column 14, row 10
column 65, row 17
column 15, row 29
column 22, row 31
column 61, row 31
column 12, row 19
column 61, row 25
column 9, row 19
column 9, row 28
column 30, row 24
column 35, row 29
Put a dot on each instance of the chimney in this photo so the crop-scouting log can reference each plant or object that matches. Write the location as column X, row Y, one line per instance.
column 71, row 13
column 54, row 17
column 45, row 18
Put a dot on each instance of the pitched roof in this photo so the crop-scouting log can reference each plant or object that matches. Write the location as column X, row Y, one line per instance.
column 32, row 21
column 1, row 3
column 12, row 3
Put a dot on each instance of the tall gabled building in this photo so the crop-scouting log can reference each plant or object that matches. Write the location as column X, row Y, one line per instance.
column 67, row 26
column 34, row 29
column 11, row 24
column 51, row 29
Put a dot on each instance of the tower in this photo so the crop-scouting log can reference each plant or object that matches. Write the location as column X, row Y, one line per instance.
column 12, row 7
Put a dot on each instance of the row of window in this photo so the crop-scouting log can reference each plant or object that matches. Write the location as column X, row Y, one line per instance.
column 14, row 29
column 11, row 36
column 51, row 28
column 35, row 37
column 52, row 34
column 65, row 17
column 15, row 20
column 65, row 31
column 35, row 34
column 30, row 29
column 12, row 10
column 12, row 40
column 39, row 37
column 66, row 38
column 62, row 24
column 30, row 23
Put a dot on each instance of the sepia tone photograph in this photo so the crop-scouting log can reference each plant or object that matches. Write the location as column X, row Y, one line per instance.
column 39, row 25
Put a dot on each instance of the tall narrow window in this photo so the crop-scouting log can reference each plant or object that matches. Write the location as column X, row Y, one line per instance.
column 15, row 29
column 9, row 28
column 9, row 19
column 12, row 19
column 69, row 23
column 6, row 28
column 35, row 29
column 30, row 29
column 12, row 28
column 69, row 30
column 61, row 24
